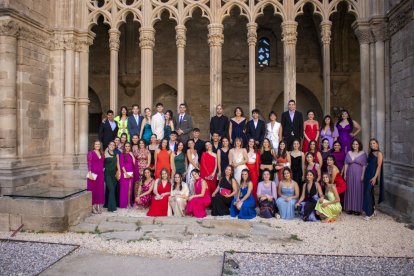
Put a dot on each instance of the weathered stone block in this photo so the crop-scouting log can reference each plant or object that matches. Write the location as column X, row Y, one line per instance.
column 4, row 222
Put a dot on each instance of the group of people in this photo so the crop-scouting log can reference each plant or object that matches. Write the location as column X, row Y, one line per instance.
column 287, row 169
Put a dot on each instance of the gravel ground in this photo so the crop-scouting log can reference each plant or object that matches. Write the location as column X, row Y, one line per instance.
column 350, row 235
column 30, row 258
column 285, row 264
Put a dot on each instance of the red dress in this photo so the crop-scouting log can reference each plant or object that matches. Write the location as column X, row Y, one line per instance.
column 197, row 206
column 280, row 162
column 254, row 170
column 163, row 161
column 311, row 131
column 159, row 208
column 207, row 166
column 340, row 183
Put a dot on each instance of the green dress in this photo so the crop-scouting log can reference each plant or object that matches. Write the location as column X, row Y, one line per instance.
column 332, row 210
column 179, row 162
column 167, row 132
column 110, row 181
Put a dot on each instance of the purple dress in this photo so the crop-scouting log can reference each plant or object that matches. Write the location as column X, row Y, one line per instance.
column 339, row 159
column 354, row 193
column 329, row 135
column 97, row 187
column 125, row 184
column 345, row 137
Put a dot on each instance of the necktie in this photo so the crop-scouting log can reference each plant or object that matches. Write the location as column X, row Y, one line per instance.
column 181, row 118
column 136, row 118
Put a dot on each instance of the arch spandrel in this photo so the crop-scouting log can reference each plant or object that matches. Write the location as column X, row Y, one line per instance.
column 158, row 11
column 226, row 9
column 120, row 18
column 320, row 7
column 188, row 11
column 353, row 7
column 277, row 7
column 94, row 16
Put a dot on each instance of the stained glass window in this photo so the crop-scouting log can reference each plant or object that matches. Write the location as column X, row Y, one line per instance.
column 263, row 52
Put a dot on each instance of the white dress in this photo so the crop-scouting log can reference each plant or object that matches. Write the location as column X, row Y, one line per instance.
column 189, row 177
column 273, row 134
column 237, row 158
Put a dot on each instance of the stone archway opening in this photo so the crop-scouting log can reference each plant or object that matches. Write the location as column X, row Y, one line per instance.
column 167, row 95
column 95, row 114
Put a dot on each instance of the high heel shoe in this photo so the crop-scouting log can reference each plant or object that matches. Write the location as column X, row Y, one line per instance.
column 94, row 210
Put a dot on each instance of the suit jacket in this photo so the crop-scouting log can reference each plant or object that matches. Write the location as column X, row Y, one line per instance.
column 133, row 127
column 289, row 126
column 106, row 134
column 257, row 133
column 186, row 125
column 200, row 147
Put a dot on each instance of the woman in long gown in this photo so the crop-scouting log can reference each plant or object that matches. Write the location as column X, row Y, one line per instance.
column 339, row 155
column 169, row 124
column 126, row 166
column 162, row 158
column 152, row 147
column 325, row 152
column 144, row 193
column 146, row 131
column 243, row 204
column 297, row 157
column 253, row 163
column 237, row 127
column 336, row 176
column 178, row 160
column 273, row 130
column 238, row 158
column 111, row 167
column 95, row 179
column 373, row 176
column 311, row 130
column 345, row 126
column 208, row 167
column 223, row 195
column 267, row 195
column 143, row 157
column 200, row 200
column 192, row 158
column 289, row 194
column 122, row 122
column 355, row 163
column 329, row 207
column 313, row 166
column 178, row 197
column 162, row 191
column 267, row 158
column 134, row 149
column 329, row 131
column 282, row 159
column 311, row 193
column 223, row 156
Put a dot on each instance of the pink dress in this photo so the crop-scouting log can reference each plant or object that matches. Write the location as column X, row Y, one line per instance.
column 197, row 206
column 97, row 187
column 125, row 184
column 145, row 201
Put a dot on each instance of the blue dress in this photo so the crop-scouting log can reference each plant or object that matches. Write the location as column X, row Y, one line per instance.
column 146, row 134
column 287, row 209
column 237, row 131
column 247, row 210
column 369, row 199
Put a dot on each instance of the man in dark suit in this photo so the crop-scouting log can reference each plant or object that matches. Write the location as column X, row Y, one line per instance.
column 199, row 145
column 219, row 123
column 256, row 128
column 108, row 129
column 292, row 125
column 134, row 121
column 183, row 123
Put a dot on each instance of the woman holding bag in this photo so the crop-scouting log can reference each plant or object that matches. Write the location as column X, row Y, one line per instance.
column 267, row 195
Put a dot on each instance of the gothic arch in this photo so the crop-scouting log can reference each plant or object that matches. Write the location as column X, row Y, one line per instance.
column 166, row 94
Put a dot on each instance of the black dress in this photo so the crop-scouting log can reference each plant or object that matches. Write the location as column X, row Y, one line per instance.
column 297, row 172
column 224, row 160
column 310, row 201
column 220, row 205
column 266, row 158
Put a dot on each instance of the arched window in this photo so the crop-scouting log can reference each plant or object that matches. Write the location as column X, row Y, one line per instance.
column 263, row 52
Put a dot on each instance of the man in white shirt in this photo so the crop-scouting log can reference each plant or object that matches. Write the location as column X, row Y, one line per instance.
column 158, row 122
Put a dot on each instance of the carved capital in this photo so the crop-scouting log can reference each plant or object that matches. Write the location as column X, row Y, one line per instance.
column 379, row 29
column 147, row 38
column 363, row 32
column 114, row 42
column 9, row 28
column 84, row 41
column 215, row 35
column 180, row 37
column 326, row 32
column 289, row 33
column 252, row 34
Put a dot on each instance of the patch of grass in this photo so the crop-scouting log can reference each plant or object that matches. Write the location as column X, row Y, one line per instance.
column 266, row 223
column 230, row 235
column 138, row 228
column 138, row 223
column 231, row 251
column 227, row 271
column 242, row 236
column 96, row 231
column 139, row 240
column 187, row 233
column 295, row 237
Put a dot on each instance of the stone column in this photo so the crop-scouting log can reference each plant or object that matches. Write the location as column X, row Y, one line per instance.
column 252, row 40
column 326, row 40
column 289, row 38
column 181, row 43
column 215, row 41
column 363, row 33
column 69, row 100
column 146, row 43
column 114, row 35
column 8, row 96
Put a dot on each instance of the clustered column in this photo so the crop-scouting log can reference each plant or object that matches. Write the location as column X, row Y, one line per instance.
column 69, row 100
column 326, row 40
column 289, row 38
column 146, row 43
column 215, row 41
column 8, row 97
column 252, row 40
column 114, row 35
column 181, row 43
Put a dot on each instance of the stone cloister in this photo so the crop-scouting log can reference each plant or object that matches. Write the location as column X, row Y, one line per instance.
column 63, row 61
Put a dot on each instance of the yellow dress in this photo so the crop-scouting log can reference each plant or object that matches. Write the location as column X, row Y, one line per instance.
column 332, row 210
column 122, row 126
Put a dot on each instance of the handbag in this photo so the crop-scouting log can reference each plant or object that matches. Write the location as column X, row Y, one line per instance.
column 91, row 176
column 224, row 191
column 268, row 207
column 130, row 174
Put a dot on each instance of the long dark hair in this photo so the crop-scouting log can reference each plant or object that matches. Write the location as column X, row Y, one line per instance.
column 181, row 181
column 280, row 152
column 160, row 145
column 124, row 152
column 370, row 149
column 120, row 110
column 331, row 123
column 248, row 177
column 350, row 121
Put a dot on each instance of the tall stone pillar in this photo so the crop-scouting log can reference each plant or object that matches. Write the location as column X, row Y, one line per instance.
column 8, row 97
column 252, row 40
column 289, row 38
column 363, row 33
column 326, row 40
column 180, row 40
column 114, row 35
column 215, row 41
column 69, row 100
column 146, row 43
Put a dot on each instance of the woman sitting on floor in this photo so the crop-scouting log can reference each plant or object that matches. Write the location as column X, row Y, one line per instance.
column 243, row 205
column 329, row 207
